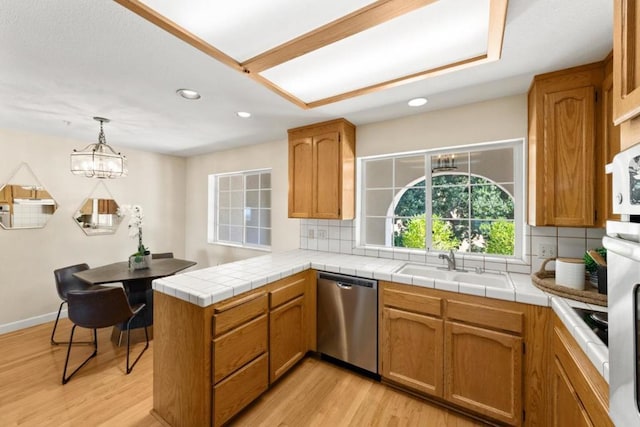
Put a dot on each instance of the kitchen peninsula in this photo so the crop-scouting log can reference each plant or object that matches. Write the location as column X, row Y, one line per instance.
column 224, row 334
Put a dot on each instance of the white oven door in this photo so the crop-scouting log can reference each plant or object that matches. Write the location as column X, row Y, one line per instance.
column 623, row 260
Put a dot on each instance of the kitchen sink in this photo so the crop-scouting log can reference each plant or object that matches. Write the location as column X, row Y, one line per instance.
column 493, row 280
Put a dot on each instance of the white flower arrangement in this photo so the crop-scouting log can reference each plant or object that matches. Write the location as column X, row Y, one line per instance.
column 135, row 227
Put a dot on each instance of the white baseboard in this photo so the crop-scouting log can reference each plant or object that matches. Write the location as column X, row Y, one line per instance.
column 32, row 321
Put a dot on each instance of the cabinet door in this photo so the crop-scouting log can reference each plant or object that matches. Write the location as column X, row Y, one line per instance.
column 569, row 134
column 626, row 60
column 567, row 408
column 300, row 177
column 327, row 179
column 412, row 350
column 483, row 371
column 610, row 147
column 287, row 337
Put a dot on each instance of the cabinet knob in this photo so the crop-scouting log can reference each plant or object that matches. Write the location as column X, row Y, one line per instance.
column 619, row 198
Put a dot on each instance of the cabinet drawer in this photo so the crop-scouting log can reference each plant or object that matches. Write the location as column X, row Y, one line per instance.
column 240, row 389
column 495, row 318
column 287, row 292
column 235, row 313
column 234, row 349
column 413, row 302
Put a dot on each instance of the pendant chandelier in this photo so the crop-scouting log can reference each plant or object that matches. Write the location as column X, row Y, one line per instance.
column 99, row 160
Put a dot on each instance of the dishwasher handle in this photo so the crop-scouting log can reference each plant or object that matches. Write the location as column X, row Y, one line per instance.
column 347, row 282
column 345, row 286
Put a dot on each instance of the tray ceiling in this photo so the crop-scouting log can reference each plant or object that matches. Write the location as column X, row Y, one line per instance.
column 316, row 53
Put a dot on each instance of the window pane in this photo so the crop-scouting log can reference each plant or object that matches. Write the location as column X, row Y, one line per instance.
column 411, row 203
column 265, row 198
column 376, row 231
column 446, row 234
column 236, row 182
column 450, row 202
column 265, row 217
column 252, row 182
column 448, row 178
column 223, row 232
column 253, row 235
column 378, row 202
column 223, row 199
column 498, row 237
column 223, row 183
column 235, row 234
column 409, row 232
column 236, row 216
column 379, row 173
column 252, row 198
column 495, row 165
column 490, row 202
column 236, row 199
column 265, row 180
column 409, row 170
column 265, row 236
column 223, row 216
column 252, row 217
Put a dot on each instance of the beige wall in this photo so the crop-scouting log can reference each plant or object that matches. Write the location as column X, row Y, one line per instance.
column 165, row 185
column 284, row 232
column 499, row 119
column 28, row 257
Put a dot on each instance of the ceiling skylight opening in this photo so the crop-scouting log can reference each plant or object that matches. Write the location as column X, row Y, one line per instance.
column 188, row 94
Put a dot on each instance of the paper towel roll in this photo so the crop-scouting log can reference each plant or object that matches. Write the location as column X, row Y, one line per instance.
column 570, row 273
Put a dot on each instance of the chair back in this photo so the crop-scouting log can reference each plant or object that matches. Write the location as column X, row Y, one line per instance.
column 66, row 281
column 99, row 307
column 162, row 255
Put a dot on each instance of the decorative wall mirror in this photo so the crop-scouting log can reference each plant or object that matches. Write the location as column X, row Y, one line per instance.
column 24, row 201
column 99, row 213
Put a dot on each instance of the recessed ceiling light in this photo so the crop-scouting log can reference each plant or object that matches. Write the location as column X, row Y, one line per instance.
column 417, row 102
column 243, row 114
column 188, row 93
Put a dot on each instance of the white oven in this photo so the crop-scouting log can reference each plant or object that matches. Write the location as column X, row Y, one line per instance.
column 623, row 282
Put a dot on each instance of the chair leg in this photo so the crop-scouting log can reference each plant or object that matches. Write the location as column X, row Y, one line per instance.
column 146, row 335
column 66, row 379
column 55, row 326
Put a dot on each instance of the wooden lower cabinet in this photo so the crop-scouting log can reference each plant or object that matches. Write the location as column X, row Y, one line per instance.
column 580, row 396
column 211, row 362
column 483, row 371
column 412, row 350
column 286, row 337
column 567, row 408
column 467, row 351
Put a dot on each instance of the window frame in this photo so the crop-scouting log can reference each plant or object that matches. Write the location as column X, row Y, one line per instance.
column 214, row 210
column 520, row 203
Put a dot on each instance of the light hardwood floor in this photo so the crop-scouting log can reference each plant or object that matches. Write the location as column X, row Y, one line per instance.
column 316, row 393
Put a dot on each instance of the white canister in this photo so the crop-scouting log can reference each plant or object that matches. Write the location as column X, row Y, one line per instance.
column 570, row 273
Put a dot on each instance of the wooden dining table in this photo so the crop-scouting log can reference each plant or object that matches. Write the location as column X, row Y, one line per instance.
column 136, row 283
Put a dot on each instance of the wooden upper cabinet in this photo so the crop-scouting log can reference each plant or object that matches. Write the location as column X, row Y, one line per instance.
column 563, row 138
column 626, row 60
column 322, row 171
column 610, row 145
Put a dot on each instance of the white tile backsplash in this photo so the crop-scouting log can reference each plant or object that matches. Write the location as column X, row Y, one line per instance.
column 567, row 241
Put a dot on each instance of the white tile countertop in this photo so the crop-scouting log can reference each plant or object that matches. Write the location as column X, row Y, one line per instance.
column 210, row 285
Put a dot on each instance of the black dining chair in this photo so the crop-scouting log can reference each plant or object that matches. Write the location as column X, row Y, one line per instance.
column 162, row 255
column 65, row 282
column 101, row 307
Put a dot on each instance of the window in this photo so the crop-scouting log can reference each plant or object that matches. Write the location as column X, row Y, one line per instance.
column 240, row 209
column 467, row 199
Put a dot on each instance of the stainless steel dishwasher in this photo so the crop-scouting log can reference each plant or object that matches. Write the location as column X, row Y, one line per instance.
column 348, row 319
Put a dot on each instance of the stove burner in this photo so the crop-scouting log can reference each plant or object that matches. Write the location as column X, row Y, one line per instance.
column 597, row 321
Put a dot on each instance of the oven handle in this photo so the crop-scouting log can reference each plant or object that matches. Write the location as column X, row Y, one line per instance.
column 625, row 248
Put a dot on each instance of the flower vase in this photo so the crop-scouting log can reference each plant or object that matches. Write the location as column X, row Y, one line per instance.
column 141, row 263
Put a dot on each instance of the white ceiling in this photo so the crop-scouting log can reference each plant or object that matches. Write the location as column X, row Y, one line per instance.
column 63, row 62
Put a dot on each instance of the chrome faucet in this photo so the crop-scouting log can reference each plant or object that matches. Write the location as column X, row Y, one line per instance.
column 451, row 259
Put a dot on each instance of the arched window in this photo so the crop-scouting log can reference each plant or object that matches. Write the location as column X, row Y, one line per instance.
column 468, row 201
